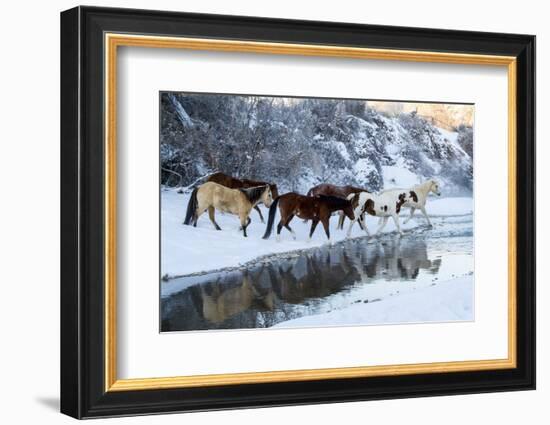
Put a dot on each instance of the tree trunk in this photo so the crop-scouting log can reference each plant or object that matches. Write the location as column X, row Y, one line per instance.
column 183, row 117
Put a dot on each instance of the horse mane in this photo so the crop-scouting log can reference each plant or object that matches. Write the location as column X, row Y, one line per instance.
column 357, row 189
column 253, row 183
column 253, row 194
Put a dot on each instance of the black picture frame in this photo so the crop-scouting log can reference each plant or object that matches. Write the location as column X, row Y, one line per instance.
column 83, row 392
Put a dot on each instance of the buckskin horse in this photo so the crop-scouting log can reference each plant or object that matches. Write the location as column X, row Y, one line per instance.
column 317, row 208
column 211, row 196
column 234, row 183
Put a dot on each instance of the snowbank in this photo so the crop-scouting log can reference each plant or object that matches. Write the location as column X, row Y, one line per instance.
column 451, row 300
column 449, row 206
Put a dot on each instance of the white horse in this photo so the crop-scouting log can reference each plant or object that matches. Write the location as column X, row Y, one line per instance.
column 383, row 205
column 417, row 197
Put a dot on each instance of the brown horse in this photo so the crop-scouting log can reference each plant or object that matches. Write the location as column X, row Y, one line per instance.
column 318, row 208
column 211, row 196
column 328, row 189
column 338, row 191
column 234, row 183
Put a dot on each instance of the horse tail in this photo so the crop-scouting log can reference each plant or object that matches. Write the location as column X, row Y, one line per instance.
column 271, row 219
column 191, row 206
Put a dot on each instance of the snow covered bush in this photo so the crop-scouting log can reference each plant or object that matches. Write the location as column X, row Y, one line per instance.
column 298, row 143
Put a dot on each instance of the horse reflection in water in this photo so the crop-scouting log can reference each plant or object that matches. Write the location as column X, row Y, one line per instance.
column 220, row 303
column 398, row 260
column 284, row 289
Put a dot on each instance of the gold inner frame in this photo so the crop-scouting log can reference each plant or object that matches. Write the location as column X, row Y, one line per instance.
column 113, row 41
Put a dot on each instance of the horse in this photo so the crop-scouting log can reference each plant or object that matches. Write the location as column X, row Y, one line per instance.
column 318, row 208
column 384, row 205
column 338, row 191
column 234, row 183
column 328, row 189
column 211, row 196
column 418, row 196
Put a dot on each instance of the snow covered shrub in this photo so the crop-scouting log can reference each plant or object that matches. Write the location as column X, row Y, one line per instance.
column 298, row 143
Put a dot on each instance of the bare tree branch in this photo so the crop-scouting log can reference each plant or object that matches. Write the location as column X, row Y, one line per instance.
column 174, row 173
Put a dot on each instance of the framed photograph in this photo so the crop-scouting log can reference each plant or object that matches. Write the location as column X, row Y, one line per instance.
column 261, row 212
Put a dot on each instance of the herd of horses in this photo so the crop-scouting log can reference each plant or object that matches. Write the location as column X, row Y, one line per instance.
column 239, row 196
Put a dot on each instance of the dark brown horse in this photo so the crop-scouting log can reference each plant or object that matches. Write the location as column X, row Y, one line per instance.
column 338, row 191
column 318, row 208
column 234, row 183
column 328, row 189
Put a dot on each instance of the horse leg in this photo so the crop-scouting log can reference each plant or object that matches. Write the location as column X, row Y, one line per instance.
column 423, row 209
column 245, row 221
column 284, row 219
column 313, row 226
column 351, row 223
column 381, row 224
column 363, row 225
column 211, row 214
column 279, row 228
column 260, row 212
column 249, row 220
column 198, row 213
column 396, row 221
column 341, row 219
column 413, row 209
column 326, row 221
column 290, row 228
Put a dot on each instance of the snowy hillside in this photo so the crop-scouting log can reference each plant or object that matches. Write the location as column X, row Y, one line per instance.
column 299, row 143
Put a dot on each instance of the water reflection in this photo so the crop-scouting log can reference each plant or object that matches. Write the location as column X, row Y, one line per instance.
column 287, row 288
column 400, row 261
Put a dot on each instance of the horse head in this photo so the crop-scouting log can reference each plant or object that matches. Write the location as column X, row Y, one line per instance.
column 368, row 207
column 434, row 187
column 267, row 196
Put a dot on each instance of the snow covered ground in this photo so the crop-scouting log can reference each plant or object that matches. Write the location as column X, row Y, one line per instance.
column 424, row 276
column 187, row 250
column 451, row 300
